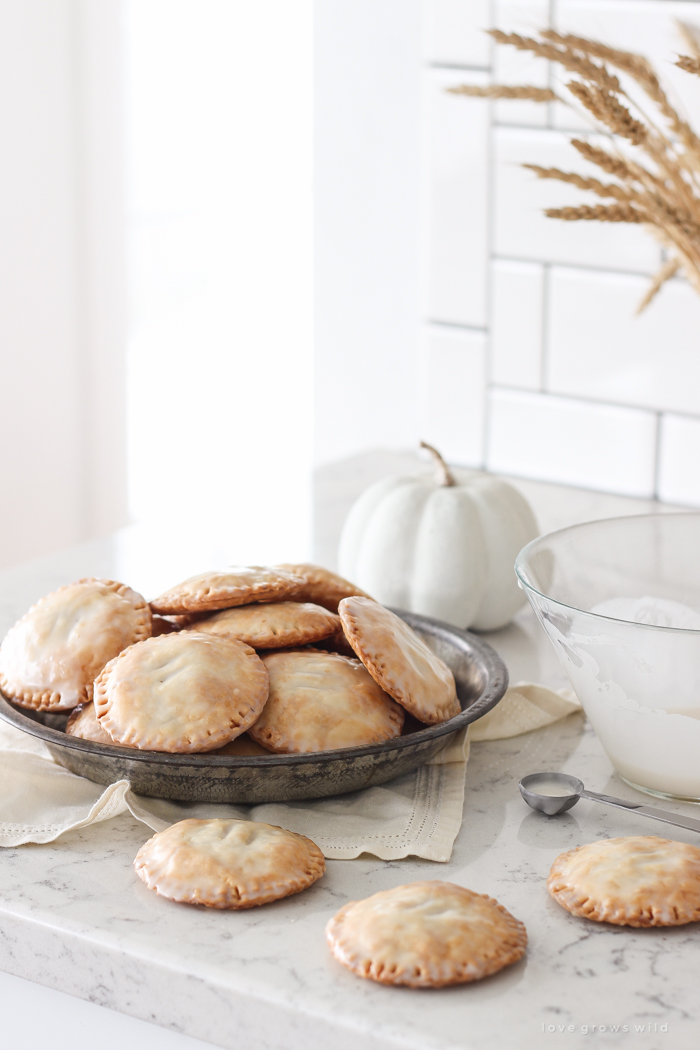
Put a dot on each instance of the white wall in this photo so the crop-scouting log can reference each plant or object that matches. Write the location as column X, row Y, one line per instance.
column 367, row 224
column 62, row 449
column 220, row 367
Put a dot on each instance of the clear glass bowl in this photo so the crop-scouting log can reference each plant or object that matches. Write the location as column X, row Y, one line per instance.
column 638, row 682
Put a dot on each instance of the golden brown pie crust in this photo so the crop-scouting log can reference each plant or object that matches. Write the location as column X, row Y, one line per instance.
column 321, row 586
column 228, row 863
column 83, row 723
column 641, row 880
column 399, row 661
column 426, row 935
column 237, row 585
column 274, row 625
column 322, row 701
column 183, row 693
column 51, row 657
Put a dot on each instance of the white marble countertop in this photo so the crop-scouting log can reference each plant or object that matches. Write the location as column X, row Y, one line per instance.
column 73, row 915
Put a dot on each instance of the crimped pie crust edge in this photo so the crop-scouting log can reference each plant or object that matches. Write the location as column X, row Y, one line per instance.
column 388, row 682
column 50, row 700
column 272, row 738
column 211, row 598
column 322, row 586
column 314, row 624
column 682, row 907
column 102, row 699
column 510, row 951
column 237, row 897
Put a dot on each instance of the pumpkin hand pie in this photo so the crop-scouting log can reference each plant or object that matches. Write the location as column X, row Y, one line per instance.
column 320, row 702
column 238, row 585
column 641, row 880
column 183, row 692
column 276, row 625
column 322, row 586
column 51, row 657
column 399, row 661
column 426, row 935
column 84, row 723
column 228, row 863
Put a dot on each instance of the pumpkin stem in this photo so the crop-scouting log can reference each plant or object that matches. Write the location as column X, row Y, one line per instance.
column 444, row 474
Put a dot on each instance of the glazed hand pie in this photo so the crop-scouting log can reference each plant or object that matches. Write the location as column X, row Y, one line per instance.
column 275, row 625
column 426, row 935
column 181, row 692
column 83, row 723
column 228, row 863
column 399, row 661
column 322, row 586
column 637, row 881
column 51, row 657
column 238, row 585
column 321, row 701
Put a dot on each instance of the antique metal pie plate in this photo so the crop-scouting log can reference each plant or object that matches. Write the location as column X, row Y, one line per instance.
column 481, row 679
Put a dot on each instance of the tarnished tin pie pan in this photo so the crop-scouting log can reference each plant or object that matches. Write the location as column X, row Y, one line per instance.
column 481, row 678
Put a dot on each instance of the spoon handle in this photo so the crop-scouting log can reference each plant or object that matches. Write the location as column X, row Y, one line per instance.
column 646, row 811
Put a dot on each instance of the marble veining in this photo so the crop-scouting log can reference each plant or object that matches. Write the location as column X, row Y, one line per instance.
column 74, row 916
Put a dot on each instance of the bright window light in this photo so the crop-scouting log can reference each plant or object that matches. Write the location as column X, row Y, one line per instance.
column 219, row 134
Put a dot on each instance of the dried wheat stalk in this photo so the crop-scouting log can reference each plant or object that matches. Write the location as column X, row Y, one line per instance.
column 690, row 65
column 601, row 189
column 598, row 213
column 535, row 94
column 658, row 183
column 660, row 277
column 691, row 35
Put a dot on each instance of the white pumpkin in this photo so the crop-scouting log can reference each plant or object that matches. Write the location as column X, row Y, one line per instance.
column 442, row 546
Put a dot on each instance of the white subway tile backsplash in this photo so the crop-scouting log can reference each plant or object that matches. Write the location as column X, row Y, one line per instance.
column 519, row 67
column 457, row 205
column 558, row 439
column 599, row 348
column 522, row 231
column 454, row 32
column 583, row 391
column 517, row 305
column 648, row 27
column 679, row 460
column 453, row 377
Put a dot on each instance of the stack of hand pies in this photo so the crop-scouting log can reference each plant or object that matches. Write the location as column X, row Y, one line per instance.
column 246, row 661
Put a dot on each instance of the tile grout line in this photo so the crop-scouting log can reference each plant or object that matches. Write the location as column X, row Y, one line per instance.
column 657, row 455
column 544, row 339
column 649, row 410
column 459, row 67
column 585, row 267
column 581, row 399
column 458, row 325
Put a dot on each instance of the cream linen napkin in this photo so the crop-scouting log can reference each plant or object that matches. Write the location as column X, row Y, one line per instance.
column 417, row 815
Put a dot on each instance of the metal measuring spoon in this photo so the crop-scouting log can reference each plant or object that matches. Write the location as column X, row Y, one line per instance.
column 554, row 793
